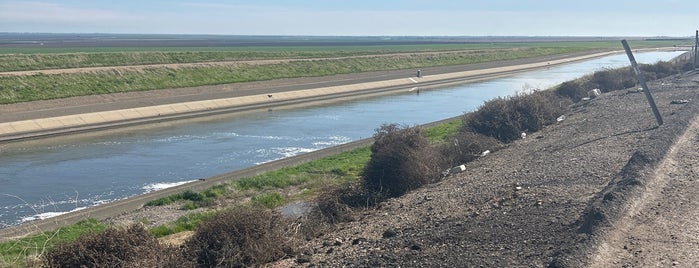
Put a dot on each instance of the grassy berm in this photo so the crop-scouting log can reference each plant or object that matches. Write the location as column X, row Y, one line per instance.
column 529, row 202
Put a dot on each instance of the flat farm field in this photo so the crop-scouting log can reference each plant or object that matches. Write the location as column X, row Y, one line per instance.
column 55, row 70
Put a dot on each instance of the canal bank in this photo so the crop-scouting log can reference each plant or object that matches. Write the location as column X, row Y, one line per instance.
column 63, row 174
column 82, row 122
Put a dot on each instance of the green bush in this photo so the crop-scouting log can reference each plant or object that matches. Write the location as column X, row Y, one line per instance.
column 160, row 202
column 198, row 200
column 160, row 231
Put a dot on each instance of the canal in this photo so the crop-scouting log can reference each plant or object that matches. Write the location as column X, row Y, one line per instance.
column 46, row 177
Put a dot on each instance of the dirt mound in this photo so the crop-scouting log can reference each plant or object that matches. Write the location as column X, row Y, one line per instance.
column 541, row 201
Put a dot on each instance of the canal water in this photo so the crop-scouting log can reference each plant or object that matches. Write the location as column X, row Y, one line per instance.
column 47, row 177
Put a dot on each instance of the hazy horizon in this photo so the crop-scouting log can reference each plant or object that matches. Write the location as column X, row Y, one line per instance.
column 594, row 18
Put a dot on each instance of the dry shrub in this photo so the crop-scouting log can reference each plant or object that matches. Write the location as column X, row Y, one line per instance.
column 401, row 160
column 336, row 204
column 466, row 146
column 613, row 79
column 617, row 79
column 573, row 90
column 505, row 118
column 131, row 247
column 660, row 69
column 240, row 237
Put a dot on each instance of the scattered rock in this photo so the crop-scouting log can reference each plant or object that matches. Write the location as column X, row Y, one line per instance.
column 634, row 90
column 682, row 101
column 303, row 259
column 358, row 241
column 415, row 246
column 389, row 233
column 594, row 93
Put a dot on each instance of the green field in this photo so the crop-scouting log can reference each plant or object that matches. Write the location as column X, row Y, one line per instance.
column 25, row 88
column 20, row 59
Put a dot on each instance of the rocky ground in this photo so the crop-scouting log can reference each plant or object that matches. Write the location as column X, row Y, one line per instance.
column 554, row 198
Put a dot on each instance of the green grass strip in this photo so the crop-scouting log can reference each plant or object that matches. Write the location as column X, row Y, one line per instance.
column 268, row 200
column 441, row 132
column 15, row 253
column 187, row 222
column 342, row 167
column 15, row 89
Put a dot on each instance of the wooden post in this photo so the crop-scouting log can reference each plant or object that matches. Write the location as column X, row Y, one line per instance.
column 696, row 44
column 642, row 81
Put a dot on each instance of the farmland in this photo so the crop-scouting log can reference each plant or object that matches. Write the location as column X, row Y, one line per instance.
column 65, row 71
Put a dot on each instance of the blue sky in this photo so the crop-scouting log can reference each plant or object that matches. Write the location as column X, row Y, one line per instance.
column 357, row 17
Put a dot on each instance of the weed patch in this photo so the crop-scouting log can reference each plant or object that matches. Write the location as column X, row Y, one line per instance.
column 342, row 167
column 268, row 200
column 187, row 222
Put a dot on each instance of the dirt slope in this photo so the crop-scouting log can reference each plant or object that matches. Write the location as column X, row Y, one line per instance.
column 661, row 227
column 527, row 205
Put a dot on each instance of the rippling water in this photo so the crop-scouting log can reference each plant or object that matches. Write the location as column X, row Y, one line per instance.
column 47, row 177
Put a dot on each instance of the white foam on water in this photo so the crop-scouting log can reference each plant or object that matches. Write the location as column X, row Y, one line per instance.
column 292, row 151
column 284, row 152
column 334, row 140
column 163, row 185
column 46, row 215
